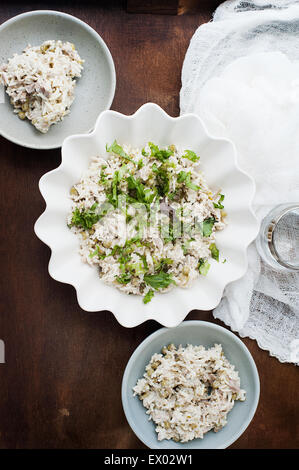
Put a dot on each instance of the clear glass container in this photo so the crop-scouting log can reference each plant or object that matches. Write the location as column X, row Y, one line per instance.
column 278, row 239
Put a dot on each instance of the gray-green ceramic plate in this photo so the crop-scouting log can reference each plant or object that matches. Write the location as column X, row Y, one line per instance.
column 196, row 333
column 94, row 90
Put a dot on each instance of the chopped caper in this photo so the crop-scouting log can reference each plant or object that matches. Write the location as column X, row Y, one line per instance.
column 74, row 191
column 155, row 364
column 150, row 372
column 22, row 115
column 25, row 106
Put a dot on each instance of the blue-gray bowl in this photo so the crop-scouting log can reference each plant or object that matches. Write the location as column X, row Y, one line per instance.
column 94, row 90
column 196, row 333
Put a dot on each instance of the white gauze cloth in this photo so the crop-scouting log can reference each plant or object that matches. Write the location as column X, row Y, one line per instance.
column 241, row 76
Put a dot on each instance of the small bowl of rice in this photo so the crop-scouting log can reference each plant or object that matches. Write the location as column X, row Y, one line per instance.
column 192, row 387
column 56, row 76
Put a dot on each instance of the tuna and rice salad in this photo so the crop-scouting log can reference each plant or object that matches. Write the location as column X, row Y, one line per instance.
column 189, row 391
column 146, row 218
column 41, row 82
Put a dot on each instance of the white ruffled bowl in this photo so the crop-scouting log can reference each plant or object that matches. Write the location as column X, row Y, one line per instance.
column 218, row 162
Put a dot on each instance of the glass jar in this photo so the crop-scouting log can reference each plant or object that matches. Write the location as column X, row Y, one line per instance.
column 278, row 239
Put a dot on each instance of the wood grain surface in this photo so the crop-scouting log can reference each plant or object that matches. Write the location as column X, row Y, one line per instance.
column 60, row 386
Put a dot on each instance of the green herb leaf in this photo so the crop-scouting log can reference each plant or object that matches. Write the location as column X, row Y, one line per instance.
column 159, row 154
column 184, row 177
column 140, row 164
column 95, row 252
column 162, row 179
column 112, row 192
column 148, row 296
column 214, row 251
column 219, row 205
column 143, row 258
column 124, row 278
column 158, row 281
column 85, row 218
column 191, row 185
column 142, row 194
column 203, row 266
column 103, row 176
column 115, row 148
column 206, row 227
column 136, row 268
column 164, row 264
column 191, row 156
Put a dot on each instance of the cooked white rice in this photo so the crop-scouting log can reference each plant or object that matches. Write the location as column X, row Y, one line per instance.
column 41, row 82
column 179, row 258
column 189, row 391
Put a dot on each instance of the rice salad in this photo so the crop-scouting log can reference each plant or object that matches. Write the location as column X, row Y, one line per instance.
column 146, row 218
column 189, row 391
column 41, row 82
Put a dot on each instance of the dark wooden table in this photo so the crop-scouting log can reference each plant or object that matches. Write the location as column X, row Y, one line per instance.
column 60, row 386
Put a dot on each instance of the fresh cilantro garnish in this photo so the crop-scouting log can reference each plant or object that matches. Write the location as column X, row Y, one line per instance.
column 206, row 227
column 158, row 281
column 143, row 258
column 112, row 192
column 164, row 264
column 219, row 205
column 159, row 154
column 191, row 185
column 191, row 156
column 148, row 296
column 169, row 164
column 136, row 268
column 140, row 192
column 140, row 164
column 144, row 153
column 162, row 179
column 172, row 195
column 214, row 251
column 85, row 218
column 115, row 148
column 116, row 250
column 184, row 177
column 95, row 252
column 103, row 176
column 203, row 266
column 124, row 252
column 124, row 278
